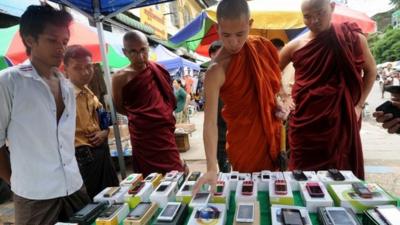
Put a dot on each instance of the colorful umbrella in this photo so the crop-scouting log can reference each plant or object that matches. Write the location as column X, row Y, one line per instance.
column 11, row 45
column 272, row 19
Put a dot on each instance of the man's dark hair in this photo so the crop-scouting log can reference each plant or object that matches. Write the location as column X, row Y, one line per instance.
column 35, row 18
column 214, row 47
column 76, row 52
column 278, row 43
column 232, row 9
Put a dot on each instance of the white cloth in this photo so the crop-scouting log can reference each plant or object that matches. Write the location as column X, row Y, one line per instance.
column 42, row 152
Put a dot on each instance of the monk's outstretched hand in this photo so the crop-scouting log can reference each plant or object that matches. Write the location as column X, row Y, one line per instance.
column 209, row 178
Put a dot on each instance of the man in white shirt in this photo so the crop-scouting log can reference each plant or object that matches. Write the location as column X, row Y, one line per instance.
column 37, row 118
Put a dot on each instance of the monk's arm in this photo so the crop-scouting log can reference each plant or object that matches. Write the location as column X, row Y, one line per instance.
column 212, row 83
column 117, row 85
column 369, row 70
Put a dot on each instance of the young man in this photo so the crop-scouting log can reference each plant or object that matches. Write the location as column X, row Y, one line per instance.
column 91, row 141
column 143, row 92
column 223, row 162
column 245, row 74
column 334, row 73
column 37, row 118
column 180, row 95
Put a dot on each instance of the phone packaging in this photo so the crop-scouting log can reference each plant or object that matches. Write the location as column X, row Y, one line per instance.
column 344, row 195
column 175, row 176
column 116, row 217
column 142, row 196
column 240, row 197
column 233, row 179
column 350, row 178
column 154, row 179
column 311, row 176
column 223, row 198
column 145, row 219
column 312, row 203
column 278, row 199
column 166, row 195
column 256, row 219
column 382, row 215
column 342, row 215
column 276, row 216
column 118, row 197
column 131, row 179
column 184, row 194
column 262, row 179
column 179, row 217
column 215, row 209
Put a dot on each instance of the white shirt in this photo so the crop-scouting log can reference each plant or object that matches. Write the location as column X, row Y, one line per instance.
column 42, row 152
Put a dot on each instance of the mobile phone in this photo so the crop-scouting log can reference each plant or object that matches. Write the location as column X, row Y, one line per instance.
column 292, row 217
column 314, row 190
column 194, row 176
column 219, row 188
column 139, row 211
column 362, row 190
column 280, row 187
column 110, row 211
column 89, row 213
column 169, row 212
column 171, row 175
column 150, row 177
column 339, row 215
column 234, row 176
column 187, row 187
column 389, row 213
column 336, row 175
column 388, row 107
column 299, row 175
column 201, row 198
column 265, row 175
column 111, row 191
column 135, row 188
column 394, row 89
column 162, row 187
column 245, row 213
column 247, row 187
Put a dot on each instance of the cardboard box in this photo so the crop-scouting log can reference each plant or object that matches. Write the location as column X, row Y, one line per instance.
column 311, row 176
column 313, row 203
column 343, row 195
column 163, row 197
column 187, row 127
column 217, row 208
column 276, row 214
column 131, row 179
column 182, row 142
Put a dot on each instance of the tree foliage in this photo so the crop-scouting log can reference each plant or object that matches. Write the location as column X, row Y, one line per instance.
column 396, row 3
column 386, row 47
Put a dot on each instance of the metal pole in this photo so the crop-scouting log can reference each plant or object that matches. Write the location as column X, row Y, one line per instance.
column 107, row 75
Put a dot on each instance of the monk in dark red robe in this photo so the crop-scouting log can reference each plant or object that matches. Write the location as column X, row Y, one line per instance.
column 143, row 92
column 329, row 91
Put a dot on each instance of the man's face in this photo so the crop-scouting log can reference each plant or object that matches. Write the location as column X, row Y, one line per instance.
column 175, row 84
column 79, row 71
column 317, row 16
column 49, row 48
column 234, row 32
column 137, row 53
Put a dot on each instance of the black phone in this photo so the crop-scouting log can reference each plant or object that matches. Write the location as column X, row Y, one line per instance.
column 162, row 187
column 89, row 213
column 336, row 175
column 362, row 190
column 394, row 89
column 292, row 217
column 299, row 175
column 111, row 210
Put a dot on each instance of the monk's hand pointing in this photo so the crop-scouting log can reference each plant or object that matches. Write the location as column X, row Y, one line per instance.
column 209, row 178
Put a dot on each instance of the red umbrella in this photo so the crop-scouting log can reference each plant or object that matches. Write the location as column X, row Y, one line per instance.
column 343, row 13
column 13, row 48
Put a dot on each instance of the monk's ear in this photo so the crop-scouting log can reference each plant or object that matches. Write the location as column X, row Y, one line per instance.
column 251, row 22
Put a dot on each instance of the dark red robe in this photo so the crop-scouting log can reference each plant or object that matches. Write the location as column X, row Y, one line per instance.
column 324, row 132
column 149, row 101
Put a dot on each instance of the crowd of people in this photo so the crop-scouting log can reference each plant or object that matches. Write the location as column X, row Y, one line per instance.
column 52, row 122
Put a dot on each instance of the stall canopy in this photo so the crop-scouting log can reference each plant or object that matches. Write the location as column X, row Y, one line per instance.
column 172, row 61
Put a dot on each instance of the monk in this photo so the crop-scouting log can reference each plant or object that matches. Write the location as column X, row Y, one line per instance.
column 334, row 73
column 245, row 73
column 143, row 92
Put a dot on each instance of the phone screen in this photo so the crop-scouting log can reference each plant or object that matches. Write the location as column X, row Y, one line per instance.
column 110, row 211
column 170, row 210
column 194, row 176
column 87, row 209
column 139, row 210
column 187, row 188
column 315, row 189
column 233, row 177
column 265, row 176
column 247, row 188
column 245, row 212
column 220, row 188
column 201, row 197
column 292, row 217
column 149, row 178
column 340, row 217
column 162, row 188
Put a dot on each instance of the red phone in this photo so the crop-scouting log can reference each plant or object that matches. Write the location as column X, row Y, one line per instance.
column 219, row 187
column 247, row 187
column 134, row 189
column 280, row 187
column 314, row 189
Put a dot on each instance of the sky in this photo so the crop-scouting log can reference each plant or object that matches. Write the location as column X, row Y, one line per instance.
column 370, row 7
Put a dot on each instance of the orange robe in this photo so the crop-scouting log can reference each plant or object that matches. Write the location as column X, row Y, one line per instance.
column 252, row 81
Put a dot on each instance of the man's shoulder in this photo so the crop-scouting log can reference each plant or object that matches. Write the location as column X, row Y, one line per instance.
column 9, row 74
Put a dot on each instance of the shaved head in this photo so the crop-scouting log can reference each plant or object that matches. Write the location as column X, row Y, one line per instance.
column 232, row 9
column 314, row 3
column 317, row 14
column 135, row 36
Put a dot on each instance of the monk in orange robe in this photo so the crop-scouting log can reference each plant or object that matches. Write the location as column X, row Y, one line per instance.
column 246, row 75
